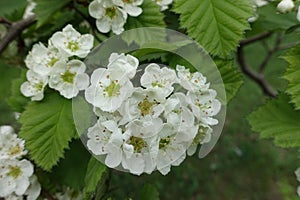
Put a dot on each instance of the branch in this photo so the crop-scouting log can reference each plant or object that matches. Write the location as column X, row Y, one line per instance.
column 259, row 78
column 15, row 30
column 255, row 38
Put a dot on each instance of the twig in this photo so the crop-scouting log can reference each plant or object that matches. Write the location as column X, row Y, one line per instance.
column 47, row 195
column 288, row 46
column 5, row 21
column 15, row 30
column 257, row 77
column 255, row 38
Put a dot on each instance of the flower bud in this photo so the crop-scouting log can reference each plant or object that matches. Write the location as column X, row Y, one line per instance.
column 285, row 6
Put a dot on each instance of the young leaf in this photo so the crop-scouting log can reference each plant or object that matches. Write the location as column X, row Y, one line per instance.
column 151, row 17
column 277, row 119
column 46, row 8
column 47, row 128
column 95, row 174
column 292, row 75
column 217, row 25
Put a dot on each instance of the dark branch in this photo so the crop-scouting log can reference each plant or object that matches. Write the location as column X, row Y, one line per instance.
column 15, row 30
column 255, row 38
column 259, row 78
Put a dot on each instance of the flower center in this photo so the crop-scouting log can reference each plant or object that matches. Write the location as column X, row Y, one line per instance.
column 15, row 150
column 154, row 84
column 137, row 143
column 145, row 107
column 200, row 135
column 113, row 89
column 39, row 86
column 164, row 142
column 68, row 76
column 111, row 12
column 14, row 171
column 52, row 61
column 73, row 46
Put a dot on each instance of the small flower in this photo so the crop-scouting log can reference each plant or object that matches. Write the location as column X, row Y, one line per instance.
column 164, row 4
column 14, row 176
column 41, row 59
column 69, row 78
column 285, row 6
column 34, row 189
column 159, row 80
column 109, row 16
column 130, row 6
column 191, row 81
column 71, row 42
column 10, row 146
column 107, row 93
column 204, row 105
column 34, row 86
column 122, row 67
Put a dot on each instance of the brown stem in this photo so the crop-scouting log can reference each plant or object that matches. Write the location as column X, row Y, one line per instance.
column 15, row 30
column 255, row 38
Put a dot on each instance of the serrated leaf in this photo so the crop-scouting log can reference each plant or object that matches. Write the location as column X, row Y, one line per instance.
column 46, row 8
column 217, row 25
column 9, row 6
column 95, row 173
column 277, row 119
column 47, row 128
column 16, row 100
column 292, row 74
column 231, row 77
column 149, row 192
column 151, row 17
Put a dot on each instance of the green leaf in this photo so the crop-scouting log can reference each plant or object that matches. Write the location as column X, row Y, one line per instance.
column 47, row 128
column 9, row 6
column 292, row 75
column 231, row 77
column 277, row 119
column 95, row 174
column 151, row 17
column 17, row 101
column 149, row 192
column 217, row 25
column 72, row 169
column 46, row 8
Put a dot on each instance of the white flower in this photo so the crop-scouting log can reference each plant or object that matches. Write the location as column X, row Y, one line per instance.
column 164, row 4
column 34, row 86
column 298, row 14
column 130, row 6
column 34, row 189
column 71, row 42
column 29, row 9
column 260, row 3
column 170, row 149
column 41, row 59
column 10, row 146
column 14, row 176
column 122, row 67
column 69, row 78
column 13, row 197
column 204, row 105
column 159, row 80
column 285, row 6
column 139, row 105
column 109, row 16
column 107, row 93
column 191, row 81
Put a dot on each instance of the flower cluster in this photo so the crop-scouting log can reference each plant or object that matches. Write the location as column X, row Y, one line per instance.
column 56, row 65
column 112, row 14
column 152, row 126
column 16, row 174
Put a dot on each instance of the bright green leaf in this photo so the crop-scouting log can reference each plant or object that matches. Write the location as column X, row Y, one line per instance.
column 151, row 17
column 95, row 173
column 217, row 25
column 47, row 128
column 46, row 8
column 293, row 75
column 149, row 192
column 277, row 119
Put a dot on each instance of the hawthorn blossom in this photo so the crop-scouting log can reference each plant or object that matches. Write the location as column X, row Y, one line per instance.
column 285, row 6
column 164, row 4
column 69, row 78
column 71, row 42
column 130, row 6
column 108, row 16
column 34, row 86
column 14, row 176
column 106, row 93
